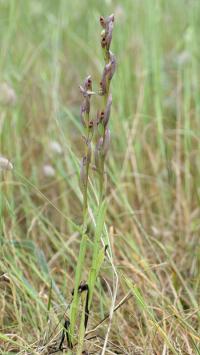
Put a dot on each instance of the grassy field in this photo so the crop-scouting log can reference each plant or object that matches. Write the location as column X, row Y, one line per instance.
column 153, row 176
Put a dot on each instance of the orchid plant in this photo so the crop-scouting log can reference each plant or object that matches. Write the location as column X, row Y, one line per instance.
column 97, row 135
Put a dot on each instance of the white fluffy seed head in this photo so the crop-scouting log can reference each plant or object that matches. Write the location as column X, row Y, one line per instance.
column 48, row 170
column 55, row 147
column 7, row 95
column 5, row 164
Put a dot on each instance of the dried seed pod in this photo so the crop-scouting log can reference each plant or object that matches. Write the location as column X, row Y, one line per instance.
column 109, row 35
column 102, row 88
column 103, row 41
column 101, row 117
column 87, row 84
column 106, row 143
column 105, row 21
column 107, row 111
column 104, row 79
column 86, row 88
column 102, row 21
column 86, row 91
column 87, row 104
column 108, row 73
column 112, row 65
column 107, row 24
column 91, row 124
column 96, row 122
column 85, row 108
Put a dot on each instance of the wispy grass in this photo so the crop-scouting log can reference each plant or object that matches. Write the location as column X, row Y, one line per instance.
column 152, row 172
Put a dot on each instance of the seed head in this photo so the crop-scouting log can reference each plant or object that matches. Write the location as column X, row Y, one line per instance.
column 7, row 95
column 48, row 170
column 5, row 164
column 55, row 147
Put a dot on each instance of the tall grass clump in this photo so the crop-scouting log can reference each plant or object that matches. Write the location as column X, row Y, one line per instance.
column 96, row 138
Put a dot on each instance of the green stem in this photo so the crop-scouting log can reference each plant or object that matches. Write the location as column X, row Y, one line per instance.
column 97, row 254
column 79, row 268
column 81, row 259
column 85, row 200
column 101, row 182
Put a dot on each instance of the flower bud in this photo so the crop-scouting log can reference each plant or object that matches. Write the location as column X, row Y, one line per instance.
column 87, row 84
column 107, row 24
column 105, row 21
column 86, row 88
column 91, row 124
column 108, row 73
column 102, row 21
column 103, row 41
column 112, row 65
column 109, row 35
column 104, row 80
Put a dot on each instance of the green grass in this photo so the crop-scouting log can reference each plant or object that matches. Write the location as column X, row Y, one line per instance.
column 152, row 221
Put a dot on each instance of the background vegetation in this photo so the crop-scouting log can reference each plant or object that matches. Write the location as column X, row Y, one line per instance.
column 47, row 48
